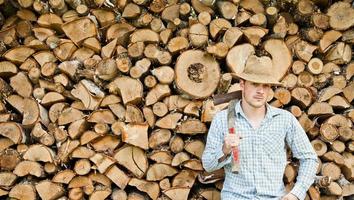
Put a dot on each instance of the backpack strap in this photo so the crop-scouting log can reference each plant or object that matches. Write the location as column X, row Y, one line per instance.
column 231, row 119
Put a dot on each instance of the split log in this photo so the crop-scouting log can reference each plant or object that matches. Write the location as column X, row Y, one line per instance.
column 347, row 91
column 176, row 144
column 133, row 114
column 159, row 171
column 39, row 152
column 191, row 127
column 102, row 162
column 328, row 93
column 23, row 191
column 101, row 116
column 254, row 34
column 200, row 7
column 328, row 38
column 193, row 108
column 210, row 194
column 75, row 29
column 339, row 53
column 159, row 137
column 253, row 5
column 185, row 178
column 88, row 93
column 161, row 156
column 176, row 102
column 133, row 159
column 334, row 189
column 13, row 131
column 290, row 173
column 177, row 192
column 179, row 158
column 339, row 121
column 66, row 149
column 18, row 55
column 165, row 184
column 151, row 188
column 334, row 157
column 195, row 147
column 9, row 160
column 129, row 89
column 82, row 182
column 177, row 44
column 117, row 176
column 331, row 169
column 105, row 143
column 320, row 108
column 302, row 96
column 49, row 190
column 21, row 84
column 64, row 176
column 193, row 164
column 169, row 121
column 231, row 36
column 7, row 179
column 82, row 152
column 219, row 50
column 132, row 132
column 157, row 93
column 51, row 98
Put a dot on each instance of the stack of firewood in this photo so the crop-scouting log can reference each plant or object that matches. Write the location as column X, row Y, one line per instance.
column 113, row 99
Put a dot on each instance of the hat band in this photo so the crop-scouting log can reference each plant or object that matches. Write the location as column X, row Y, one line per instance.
column 259, row 78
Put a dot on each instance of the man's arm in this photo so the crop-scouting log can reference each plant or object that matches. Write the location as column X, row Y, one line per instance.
column 303, row 150
column 213, row 157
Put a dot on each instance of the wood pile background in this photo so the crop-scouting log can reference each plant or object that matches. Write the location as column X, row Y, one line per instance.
column 113, row 99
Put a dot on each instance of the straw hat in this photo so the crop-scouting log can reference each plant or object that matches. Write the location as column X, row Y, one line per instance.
column 258, row 70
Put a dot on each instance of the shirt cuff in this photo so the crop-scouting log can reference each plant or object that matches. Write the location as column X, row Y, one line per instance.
column 220, row 154
column 299, row 192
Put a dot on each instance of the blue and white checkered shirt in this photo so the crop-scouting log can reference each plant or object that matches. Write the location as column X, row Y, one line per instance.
column 262, row 155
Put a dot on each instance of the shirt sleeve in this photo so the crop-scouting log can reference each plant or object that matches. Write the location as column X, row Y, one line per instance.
column 213, row 148
column 302, row 150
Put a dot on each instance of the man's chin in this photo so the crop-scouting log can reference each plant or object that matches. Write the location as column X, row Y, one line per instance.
column 258, row 104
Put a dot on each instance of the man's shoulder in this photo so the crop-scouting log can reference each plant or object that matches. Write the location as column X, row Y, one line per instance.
column 221, row 114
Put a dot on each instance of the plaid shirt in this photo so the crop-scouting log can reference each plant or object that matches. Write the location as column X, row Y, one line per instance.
column 262, row 155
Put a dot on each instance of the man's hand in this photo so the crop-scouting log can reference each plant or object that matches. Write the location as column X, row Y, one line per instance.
column 230, row 140
column 289, row 196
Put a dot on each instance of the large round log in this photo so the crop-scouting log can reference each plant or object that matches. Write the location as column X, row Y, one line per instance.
column 197, row 74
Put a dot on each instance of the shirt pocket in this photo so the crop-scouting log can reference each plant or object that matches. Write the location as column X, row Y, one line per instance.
column 274, row 145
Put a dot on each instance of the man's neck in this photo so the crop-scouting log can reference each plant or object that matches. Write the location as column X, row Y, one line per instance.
column 252, row 113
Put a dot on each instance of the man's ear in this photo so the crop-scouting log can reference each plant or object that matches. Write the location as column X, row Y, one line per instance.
column 242, row 83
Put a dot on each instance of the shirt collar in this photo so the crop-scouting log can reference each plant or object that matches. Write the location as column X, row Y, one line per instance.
column 270, row 113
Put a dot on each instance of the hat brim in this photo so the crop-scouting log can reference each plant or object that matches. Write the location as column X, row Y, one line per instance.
column 257, row 79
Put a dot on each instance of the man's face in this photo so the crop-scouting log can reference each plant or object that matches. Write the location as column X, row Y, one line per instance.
column 254, row 94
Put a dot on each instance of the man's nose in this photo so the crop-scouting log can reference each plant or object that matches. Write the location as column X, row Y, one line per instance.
column 260, row 90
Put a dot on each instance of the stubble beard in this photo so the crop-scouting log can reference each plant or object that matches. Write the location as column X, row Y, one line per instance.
column 254, row 103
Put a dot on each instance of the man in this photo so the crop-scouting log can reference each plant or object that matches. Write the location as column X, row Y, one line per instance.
column 262, row 131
